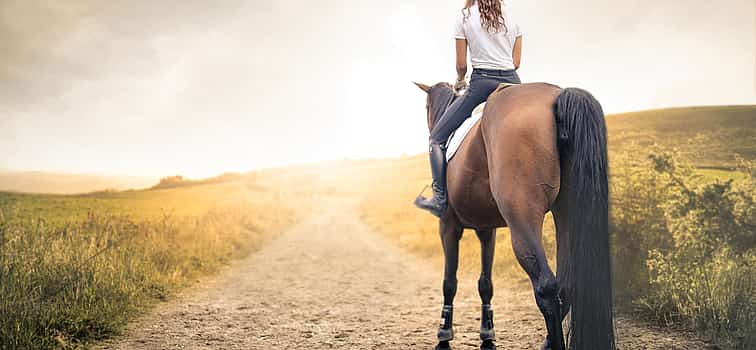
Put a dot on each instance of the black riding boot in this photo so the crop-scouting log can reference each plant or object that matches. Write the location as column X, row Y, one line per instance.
column 437, row 204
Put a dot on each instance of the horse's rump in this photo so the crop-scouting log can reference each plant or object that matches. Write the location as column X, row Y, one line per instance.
column 512, row 150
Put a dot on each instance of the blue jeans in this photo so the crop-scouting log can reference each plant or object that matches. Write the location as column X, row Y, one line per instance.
column 483, row 82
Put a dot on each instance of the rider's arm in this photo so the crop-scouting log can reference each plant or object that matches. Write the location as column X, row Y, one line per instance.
column 517, row 52
column 461, row 58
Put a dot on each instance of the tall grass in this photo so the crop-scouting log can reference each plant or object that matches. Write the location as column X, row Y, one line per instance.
column 64, row 283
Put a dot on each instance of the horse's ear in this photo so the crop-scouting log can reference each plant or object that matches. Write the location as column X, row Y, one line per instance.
column 423, row 87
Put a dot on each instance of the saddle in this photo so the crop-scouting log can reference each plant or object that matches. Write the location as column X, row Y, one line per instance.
column 456, row 138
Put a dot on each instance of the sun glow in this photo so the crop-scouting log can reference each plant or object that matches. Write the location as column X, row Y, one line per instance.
column 207, row 93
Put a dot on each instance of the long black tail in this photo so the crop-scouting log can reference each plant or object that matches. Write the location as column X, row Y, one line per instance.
column 581, row 131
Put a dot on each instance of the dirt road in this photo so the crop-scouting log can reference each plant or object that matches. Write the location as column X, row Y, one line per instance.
column 331, row 283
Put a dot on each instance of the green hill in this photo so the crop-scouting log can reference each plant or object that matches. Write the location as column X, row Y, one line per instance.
column 710, row 136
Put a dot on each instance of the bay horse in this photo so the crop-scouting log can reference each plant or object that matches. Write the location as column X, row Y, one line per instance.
column 537, row 148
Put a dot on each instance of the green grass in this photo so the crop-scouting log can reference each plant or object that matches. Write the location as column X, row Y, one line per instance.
column 76, row 268
column 722, row 175
column 142, row 203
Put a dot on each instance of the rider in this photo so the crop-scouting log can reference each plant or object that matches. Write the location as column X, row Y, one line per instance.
column 495, row 43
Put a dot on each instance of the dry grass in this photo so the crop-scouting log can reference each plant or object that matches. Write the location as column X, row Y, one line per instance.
column 76, row 268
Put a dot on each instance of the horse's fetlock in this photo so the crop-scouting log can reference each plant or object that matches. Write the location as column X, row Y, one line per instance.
column 486, row 317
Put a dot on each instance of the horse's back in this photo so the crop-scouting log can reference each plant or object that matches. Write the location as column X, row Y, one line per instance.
column 510, row 155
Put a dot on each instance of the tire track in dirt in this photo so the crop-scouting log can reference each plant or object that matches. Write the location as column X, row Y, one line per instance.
column 331, row 283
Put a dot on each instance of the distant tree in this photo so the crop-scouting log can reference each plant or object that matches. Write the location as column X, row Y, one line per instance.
column 171, row 182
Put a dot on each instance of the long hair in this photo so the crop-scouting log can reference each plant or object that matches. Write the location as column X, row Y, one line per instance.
column 491, row 15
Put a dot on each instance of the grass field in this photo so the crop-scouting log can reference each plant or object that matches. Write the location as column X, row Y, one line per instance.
column 57, row 183
column 76, row 268
column 710, row 136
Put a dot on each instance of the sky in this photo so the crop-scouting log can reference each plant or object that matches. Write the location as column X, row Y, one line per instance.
column 197, row 88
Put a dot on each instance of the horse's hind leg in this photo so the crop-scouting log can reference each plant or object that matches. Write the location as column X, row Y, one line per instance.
column 451, row 232
column 561, row 223
column 525, row 227
column 485, row 287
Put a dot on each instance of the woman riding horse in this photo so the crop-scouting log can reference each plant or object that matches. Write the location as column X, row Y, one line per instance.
column 495, row 44
column 537, row 148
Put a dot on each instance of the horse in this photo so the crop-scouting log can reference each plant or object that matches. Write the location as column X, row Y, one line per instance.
column 537, row 148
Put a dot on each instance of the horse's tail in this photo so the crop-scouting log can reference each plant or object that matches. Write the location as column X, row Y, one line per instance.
column 581, row 133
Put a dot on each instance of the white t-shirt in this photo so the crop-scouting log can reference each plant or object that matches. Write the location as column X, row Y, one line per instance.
column 487, row 51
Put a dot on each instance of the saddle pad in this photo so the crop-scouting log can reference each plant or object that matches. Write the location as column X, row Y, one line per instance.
column 456, row 138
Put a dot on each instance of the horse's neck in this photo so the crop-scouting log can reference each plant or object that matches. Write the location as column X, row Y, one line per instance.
column 442, row 111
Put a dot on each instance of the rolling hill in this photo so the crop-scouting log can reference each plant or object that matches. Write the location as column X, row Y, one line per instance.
column 710, row 136
column 59, row 183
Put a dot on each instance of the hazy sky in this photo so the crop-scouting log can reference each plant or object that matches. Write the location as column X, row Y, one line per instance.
column 202, row 87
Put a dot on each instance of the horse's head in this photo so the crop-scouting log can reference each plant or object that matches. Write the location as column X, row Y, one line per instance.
column 440, row 96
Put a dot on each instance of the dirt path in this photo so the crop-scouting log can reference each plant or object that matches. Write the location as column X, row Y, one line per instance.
column 331, row 283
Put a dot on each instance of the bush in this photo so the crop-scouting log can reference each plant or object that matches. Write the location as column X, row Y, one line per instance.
column 684, row 245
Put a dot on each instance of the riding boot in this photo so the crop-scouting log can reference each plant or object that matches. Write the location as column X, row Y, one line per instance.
column 437, row 204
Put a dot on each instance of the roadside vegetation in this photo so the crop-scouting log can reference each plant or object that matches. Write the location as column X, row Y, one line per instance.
column 76, row 268
column 685, row 246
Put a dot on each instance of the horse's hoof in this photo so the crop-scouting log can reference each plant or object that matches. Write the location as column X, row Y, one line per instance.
column 488, row 345
column 443, row 345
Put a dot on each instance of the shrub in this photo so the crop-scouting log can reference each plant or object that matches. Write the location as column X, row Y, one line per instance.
column 695, row 239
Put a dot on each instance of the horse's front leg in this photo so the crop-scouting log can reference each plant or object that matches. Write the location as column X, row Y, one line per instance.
column 451, row 232
column 485, row 288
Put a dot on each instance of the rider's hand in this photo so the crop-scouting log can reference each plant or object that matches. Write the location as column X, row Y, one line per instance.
column 460, row 85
